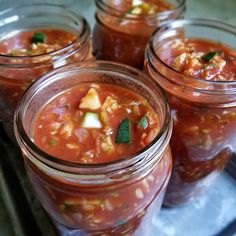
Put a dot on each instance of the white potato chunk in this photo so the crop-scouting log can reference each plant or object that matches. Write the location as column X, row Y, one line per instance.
column 180, row 61
column 90, row 100
column 91, row 120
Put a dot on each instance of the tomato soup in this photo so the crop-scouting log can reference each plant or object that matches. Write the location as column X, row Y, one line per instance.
column 199, row 76
column 33, row 45
column 95, row 123
column 36, row 42
column 113, row 136
column 122, row 32
column 23, row 49
column 201, row 59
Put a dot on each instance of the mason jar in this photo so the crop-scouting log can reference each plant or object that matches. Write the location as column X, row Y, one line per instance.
column 203, row 109
column 113, row 198
column 18, row 71
column 121, row 34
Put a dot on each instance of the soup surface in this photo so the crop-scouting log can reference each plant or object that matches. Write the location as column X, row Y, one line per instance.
column 35, row 42
column 95, row 123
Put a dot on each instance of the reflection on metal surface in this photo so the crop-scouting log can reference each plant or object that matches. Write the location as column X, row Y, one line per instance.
column 25, row 213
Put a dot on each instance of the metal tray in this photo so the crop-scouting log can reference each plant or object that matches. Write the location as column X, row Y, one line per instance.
column 20, row 206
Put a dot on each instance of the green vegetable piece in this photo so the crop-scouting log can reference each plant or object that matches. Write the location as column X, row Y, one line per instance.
column 143, row 123
column 38, row 38
column 53, row 142
column 209, row 56
column 123, row 132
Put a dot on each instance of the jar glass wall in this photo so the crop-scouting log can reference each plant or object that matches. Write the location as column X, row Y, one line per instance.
column 203, row 109
column 22, row 61
column 114, row 198
column 122, row 35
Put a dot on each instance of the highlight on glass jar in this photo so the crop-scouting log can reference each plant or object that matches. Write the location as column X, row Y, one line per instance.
column 194, row 61
column 95, row 140
column 123, row 28
column 33, row 40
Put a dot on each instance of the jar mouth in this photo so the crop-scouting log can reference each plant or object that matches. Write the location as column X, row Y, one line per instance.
column 159, row 142
column 212, row 86
column 101, row 4
column 11, row 17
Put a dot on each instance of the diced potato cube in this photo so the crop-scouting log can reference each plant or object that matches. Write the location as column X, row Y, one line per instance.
column 72, row 146
column 194, row 62
column 54, row 127
column 108, row 130
column 107, row 107
column 67, row 129
column 180, row 61
column 220, row 63
column 104, row 117
column 109, row 103
column 139, row 193
column 136, row 3
column 88, row 207
column 91, row 120
column 136, row 110
column 152, row 10
column 136, row 10
column 90, row 100
column 107, row 144
column 207, row 142
column 109, row 205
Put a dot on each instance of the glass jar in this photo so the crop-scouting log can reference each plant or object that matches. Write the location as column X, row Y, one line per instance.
column 58, row 184
column 121, row 36
column 17, row 72
column 204, row 111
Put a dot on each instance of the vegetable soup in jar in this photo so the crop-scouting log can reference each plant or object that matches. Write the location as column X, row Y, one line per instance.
column 95, row 140
column 123, row 28
column 195, row 62
column 35, row 39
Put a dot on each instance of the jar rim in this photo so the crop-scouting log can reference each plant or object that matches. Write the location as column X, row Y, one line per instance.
column 79, row 41
column 162, row 138
column 116, row 12
column 151, row 52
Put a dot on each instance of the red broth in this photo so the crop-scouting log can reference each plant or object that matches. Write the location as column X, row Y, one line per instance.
column 123, row 36
column 64, row 129
column 203, row 136
column 21, row 44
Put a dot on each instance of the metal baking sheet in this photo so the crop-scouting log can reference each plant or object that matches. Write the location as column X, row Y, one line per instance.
column 21, row 212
